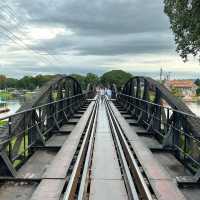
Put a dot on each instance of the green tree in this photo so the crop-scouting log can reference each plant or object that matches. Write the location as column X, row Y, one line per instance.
column 40, row 80
column 184, row 18
column 117, row 77
column 27, row 82
column 92, row 79
column 198, row 91
column 80, row 79
column 176, row 92
column 197, row 82
column 11, row 83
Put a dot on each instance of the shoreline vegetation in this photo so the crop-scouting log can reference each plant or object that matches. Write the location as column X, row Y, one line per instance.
column 5, row 95
column 11, row 88
column 2, row 123
column 119, row 77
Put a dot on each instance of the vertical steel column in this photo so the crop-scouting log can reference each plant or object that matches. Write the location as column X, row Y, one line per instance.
column 157, row 113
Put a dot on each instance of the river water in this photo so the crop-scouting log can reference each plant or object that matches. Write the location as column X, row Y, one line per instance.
column 13, row 105
column 194, row 107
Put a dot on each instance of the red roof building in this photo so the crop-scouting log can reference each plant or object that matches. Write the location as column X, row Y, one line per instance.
column 185, row 87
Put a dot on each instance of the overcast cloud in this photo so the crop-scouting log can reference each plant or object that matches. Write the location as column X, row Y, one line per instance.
column 81, row 36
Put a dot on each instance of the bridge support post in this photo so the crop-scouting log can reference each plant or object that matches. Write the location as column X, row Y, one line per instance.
column 6, row 167
column 157, row 115
column 144, row 112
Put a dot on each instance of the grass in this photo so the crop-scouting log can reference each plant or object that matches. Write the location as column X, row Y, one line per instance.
column 3, row 123
column 6, row 95
column 23, row 152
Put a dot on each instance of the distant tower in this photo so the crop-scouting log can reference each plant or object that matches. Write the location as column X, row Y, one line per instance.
column 161, row 74
column 168, row 74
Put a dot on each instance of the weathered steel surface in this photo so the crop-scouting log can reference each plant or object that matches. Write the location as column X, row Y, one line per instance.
column 36, row 165
column 105, row 158
column 106, row 179
column 67, row 128
column 107, row 190
column 17, row 191
column 163, row 185
column 40, row 98
column 49, row 189
column 171, row 164
column 164, row 93
column 191, row 193
column 167, row 118
column 37, row 119
column 56, row 140
column 54, row 178
column 66, row 153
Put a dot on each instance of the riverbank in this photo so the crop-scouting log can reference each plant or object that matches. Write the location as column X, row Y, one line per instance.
column 2, row 123
column 13, row 105
column 4, row 110
column 191, row 99
column 6, row 95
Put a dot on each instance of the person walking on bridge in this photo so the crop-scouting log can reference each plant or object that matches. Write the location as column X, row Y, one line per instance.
column 109, row 93
column 102, row 93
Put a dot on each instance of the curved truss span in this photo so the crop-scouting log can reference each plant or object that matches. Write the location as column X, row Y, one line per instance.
column 163, row 115
column 38, row 119
column 141, row 87
column 58, row 88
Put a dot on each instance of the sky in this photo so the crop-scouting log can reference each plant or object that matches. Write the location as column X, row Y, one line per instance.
column 70, row 36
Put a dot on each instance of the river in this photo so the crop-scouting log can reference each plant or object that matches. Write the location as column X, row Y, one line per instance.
column 13, row 105
column 194, row 107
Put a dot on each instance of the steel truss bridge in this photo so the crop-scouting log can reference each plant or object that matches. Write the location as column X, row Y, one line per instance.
column 66, row 143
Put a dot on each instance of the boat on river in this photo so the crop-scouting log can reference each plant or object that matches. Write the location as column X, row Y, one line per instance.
column 4, row 110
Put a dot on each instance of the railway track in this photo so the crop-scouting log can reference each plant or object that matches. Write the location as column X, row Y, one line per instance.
column 133, row 183
column 101, row 158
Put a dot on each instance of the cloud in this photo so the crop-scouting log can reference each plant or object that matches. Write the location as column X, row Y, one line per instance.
column 142, row 43
column 82, row 35
column 99, row 17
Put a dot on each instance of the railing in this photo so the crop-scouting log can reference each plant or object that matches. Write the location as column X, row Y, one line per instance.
column 170, row 126
column 17, row 137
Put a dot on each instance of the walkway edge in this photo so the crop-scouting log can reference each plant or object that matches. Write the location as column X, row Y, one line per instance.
column 163, row 185
column 50, row 188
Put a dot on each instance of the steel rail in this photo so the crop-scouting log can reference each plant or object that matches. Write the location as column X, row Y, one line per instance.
column 74, row 178
column 85, row 175
column 130, row 185
column 139, row 180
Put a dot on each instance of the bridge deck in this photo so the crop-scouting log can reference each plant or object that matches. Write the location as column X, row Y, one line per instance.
column 169, row 163
column 56, row 174
column 106, row 178
column 163, row 186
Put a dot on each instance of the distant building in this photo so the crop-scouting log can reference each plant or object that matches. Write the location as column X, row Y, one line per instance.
column 184, row 87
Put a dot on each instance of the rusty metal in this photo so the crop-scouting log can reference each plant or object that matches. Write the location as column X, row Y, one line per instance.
column 143, row 162
column 74, row 178
column 166, row 118
column 130, row 185
column 85, row 174
column 56, row 175
column 37, row 119
column 139, row 181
